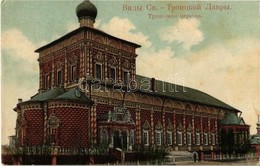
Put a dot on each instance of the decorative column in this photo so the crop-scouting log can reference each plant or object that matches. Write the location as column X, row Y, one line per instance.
column 216, row 134
column 193, row 129
column 82, row 60
column 119, row 67
column 95, row 121
column 174, row 127
column 91, row 73
column 134, row 69
column 152, row 126
column 184, row 127
column 41, row 76
column 209, row 131
column 45, row 111
column 66, row 69
column 52, row 72
column 201, row 131
column 164, row 127
column 87, row 61
column 106, row 65
column 138, row 124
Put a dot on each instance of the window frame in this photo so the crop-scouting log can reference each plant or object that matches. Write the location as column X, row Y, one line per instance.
column 103, row 136
column 132, row 137
column 23, row 136
column 101, row 71
column 146, row 141
column 53, row 135
column 47, row 81
column 59, row 79
column 206, row 139
column 125, row 81
column 158, row 140
column 213, row 139
column 110, row 73
column 179, row 138
column 169, row 133
column 73, row 72
column 198, row 142
column 189, row 138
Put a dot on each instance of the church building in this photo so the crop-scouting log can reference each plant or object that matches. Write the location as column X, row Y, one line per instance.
column 90, row 93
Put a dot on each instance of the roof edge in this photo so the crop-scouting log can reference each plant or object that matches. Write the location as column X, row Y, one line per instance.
column 78, row 30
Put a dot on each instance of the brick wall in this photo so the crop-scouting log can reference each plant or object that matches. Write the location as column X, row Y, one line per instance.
column 157, row 116
column 103, row 108
column 73, row 130
column 145, row 115
column 34, row 132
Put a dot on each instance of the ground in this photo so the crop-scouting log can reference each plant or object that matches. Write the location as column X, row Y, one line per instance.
column 242, row 162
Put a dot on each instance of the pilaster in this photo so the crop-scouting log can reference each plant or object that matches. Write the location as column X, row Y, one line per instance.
column 66, row 69
column 164, row 127
column 45, row 111
column 184, row 127
column 174, row 127
column 152, row 125
column 52, row 73
column 138, row 124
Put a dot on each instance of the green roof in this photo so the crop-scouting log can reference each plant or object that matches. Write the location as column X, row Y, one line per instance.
column 163, row 89
column 74, row 95
column 232, row 119
column 61, row 94
column 180, row 93
column 255, row 139
column 48, row 95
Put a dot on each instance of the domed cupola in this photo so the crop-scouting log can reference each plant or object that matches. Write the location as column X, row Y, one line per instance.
column 86, row 13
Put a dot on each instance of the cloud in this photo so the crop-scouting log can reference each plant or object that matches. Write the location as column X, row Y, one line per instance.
column 14, row 40
column 19, row 75
column 185, row 31
column 125, row 29
column 228, row 71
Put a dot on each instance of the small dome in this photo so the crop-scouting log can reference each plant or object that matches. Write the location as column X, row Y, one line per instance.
column 232, row 119
column 86, row 10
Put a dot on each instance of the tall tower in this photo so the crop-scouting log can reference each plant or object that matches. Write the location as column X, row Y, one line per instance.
column 86, row 51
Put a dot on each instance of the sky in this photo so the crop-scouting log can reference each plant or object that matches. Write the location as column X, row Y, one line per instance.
column 215, row 51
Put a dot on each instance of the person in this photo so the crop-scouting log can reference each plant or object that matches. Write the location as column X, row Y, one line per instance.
column 194, row 156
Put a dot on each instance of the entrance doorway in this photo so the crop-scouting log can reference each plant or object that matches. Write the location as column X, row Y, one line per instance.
column 124, row 139
column 116, row 139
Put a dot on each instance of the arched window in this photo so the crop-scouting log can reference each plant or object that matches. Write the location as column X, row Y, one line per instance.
column 132, row 137
column 169, row 133
column 146, row 137
column 213, row 140
column 188, row 134
column 59, row 77
column 197, row 138
column 179, row 134
column 53, row 125
column 206, row 141
column 146, row 133
column 103, row 136
column 158, row 134
column 169, row 137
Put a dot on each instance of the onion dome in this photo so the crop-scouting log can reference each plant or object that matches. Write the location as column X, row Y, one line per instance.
column 86, row 10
